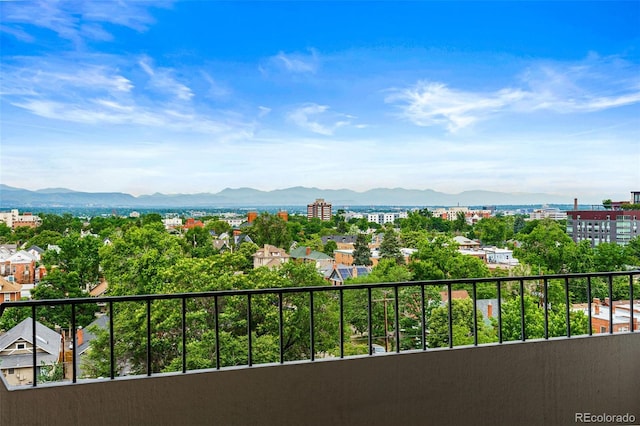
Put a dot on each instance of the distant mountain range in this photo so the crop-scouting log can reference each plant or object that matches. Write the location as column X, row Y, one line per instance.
column 11, row 197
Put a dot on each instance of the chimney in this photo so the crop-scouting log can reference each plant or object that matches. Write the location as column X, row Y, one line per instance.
column 607, row 301
column 575, row 204
column 596, row 303
column 308, row 251
column 489, row 310
column 79, row 336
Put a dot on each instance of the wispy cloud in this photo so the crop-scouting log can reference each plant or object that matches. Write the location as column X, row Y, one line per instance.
column 76, row 20
column 555, row 87
column 96, row 94
column 163, row 80
column 297, row 63
column 318, row 119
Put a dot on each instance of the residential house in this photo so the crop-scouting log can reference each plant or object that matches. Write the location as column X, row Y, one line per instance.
column 322, row 261
column 225, row 242
column 16, row 352
column 340, row 273
column 500, row 257
column 9, row 291
column 465, row 243
column 35, row 252
column 269, row 256
column 602, row 312
column 84, row 337
column 19, row 265
column 345, row 257
column 342, row 241
column 193, row 223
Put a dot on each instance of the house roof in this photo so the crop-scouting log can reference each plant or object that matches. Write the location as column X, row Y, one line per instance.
column 26, row 360
column 36, row 248
column 339, row 238
column 102, row 322
column 270, row 251
column 100, row 289
column 464, row 241
column 343, row 272
column 301, row 253
column 21, row 257
column 46, row 339
column 8, row 286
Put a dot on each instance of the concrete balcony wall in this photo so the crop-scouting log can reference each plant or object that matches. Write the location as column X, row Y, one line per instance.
column 532, row 383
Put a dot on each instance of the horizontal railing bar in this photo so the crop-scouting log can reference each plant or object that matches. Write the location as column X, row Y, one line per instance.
column 286, row 290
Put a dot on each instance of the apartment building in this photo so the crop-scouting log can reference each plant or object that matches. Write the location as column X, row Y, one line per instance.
column 617, row 225
column 548, row 213
column 320, row 209
column 14, row 219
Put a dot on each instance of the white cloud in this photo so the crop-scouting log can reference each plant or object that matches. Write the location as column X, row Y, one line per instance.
column 163, row 80
column 589, row 86
column 318, row 119
column 263, row 111
column 76, row 20
column 297, row 63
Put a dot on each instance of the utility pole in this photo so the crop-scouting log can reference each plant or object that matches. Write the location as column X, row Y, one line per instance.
column 385, row 299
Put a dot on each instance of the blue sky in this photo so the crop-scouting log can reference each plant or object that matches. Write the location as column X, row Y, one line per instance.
column 198, row 96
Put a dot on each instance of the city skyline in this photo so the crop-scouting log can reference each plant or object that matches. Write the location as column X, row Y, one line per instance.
column 192, row 97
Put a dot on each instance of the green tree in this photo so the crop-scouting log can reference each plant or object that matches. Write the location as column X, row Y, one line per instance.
column 80, row 254
column 361, row 252
column 462, row 325
column 61, row 285
column 45, row 238
column 460, row 223
column 149, row 218
column 440, row 259
column 632, row 251
column 218, row 227
column 493, row 231
column 199, row 242
column 5, row 233
column 414, row 222
column 518, row 224
column 610, row 257
column 330, row 247
column 547, row 246
column 270, row 229
column 390, row 246
column 133, row 263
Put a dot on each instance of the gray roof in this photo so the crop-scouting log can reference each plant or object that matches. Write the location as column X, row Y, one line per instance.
column 26, row 360
column 339, row 238
column 101, row 322
column 46, row 339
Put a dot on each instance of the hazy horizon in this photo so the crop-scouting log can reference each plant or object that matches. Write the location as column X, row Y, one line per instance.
column 184, row 97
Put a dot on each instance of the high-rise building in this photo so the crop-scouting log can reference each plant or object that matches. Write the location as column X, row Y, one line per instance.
column 616, row 225
column 319, row 209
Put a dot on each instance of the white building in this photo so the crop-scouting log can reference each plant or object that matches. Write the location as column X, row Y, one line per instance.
column 548, row 213
column 13, row 219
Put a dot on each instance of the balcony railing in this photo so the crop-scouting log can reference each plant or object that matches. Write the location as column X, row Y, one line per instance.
column 313, row 299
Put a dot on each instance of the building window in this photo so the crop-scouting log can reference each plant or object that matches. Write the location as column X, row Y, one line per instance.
column 21, row 346
column 7, row 297
column 603, row 329
column 11, row 371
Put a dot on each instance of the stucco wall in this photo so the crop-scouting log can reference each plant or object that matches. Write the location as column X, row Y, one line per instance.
column 533, row 383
